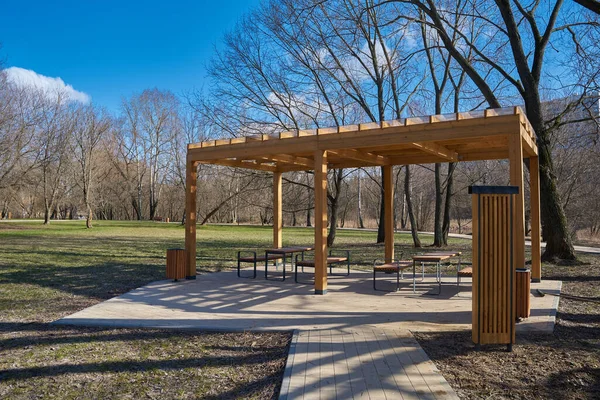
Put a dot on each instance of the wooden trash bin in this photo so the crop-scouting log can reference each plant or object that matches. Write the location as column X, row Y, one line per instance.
column 523, row 289
column 494, row 302
column 176, row 264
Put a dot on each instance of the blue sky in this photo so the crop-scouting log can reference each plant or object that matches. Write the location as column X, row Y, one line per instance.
column 111, row 49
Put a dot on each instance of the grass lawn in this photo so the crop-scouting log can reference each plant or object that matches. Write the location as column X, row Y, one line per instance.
column 47, row 272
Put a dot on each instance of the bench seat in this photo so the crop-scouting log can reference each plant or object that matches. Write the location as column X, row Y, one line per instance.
column 331, row 260
column 390, row 268
column 396, row 267
column 466, row 272
column 261, row 258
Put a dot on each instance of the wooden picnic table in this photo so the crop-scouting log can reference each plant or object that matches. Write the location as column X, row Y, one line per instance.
column 285, row 251
column 434, row 257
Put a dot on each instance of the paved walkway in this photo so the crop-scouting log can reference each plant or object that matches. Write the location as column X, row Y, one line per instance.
column 361, row 363
column 352, row 342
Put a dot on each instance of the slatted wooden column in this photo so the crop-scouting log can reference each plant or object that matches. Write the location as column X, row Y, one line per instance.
column 388, row 190
column 277, row 211
column 320, row 222
column 494, row 300
column 191, row 175
column 536, row 235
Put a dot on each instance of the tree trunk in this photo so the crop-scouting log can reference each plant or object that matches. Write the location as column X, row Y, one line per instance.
column 46, row 215
column 335, row 198
column 437, row 223
column 88, row 221
column 411, row 214
column 448, row 203
column 361, row 223
column 555, row 230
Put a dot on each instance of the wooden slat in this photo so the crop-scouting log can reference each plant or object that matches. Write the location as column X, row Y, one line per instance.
column 475, row 310
column 361, row 156
column 288, row 159
column 246, row 164
column 437, row 150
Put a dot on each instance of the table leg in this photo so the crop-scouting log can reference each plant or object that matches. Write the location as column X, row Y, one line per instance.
column 414, row 277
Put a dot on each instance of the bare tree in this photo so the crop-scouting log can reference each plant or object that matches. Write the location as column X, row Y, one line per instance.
column 152, row 121
column 514, row 51
column 92, row 126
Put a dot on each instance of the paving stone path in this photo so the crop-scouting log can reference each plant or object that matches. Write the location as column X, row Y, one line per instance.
column 363, row 362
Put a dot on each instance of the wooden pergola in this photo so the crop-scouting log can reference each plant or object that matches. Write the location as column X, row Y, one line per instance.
column 503, row 133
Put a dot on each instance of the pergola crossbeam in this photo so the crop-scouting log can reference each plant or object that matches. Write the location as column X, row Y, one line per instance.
column 436, row 150
column 363, row 156
column 289, row 160
column 246, row 164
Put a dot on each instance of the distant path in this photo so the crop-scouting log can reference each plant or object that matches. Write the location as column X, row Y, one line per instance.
column 581, row 249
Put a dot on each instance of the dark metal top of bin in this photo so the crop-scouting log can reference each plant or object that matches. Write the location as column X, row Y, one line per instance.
column 493, row 189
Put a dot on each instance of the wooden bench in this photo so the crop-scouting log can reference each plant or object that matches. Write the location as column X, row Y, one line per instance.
column 254, row 259
column 466, row 272
column 396, row 267
column 331, row 261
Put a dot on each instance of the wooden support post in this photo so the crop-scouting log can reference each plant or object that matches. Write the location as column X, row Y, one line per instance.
column 515, row 154
column 191, row 175
column 388, row 190
column 277, row 211
column 320, row 222
column 534, row 196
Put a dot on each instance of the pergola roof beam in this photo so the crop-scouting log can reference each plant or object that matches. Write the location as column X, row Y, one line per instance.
column 437, row 150
column 245, row 164
column 288, row 159
column 361, row 156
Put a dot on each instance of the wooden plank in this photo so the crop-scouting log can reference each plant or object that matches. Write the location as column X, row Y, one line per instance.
column 365, row 157
column 288, row 159
column 191, row 176
column 245, row 164
column 320, row 181
column 238, row 140
column 516, row 179
column 536, row 235
column 475, row 312
column 277, row 210
column 388, row 191
column 287, row 135
column 437, row 150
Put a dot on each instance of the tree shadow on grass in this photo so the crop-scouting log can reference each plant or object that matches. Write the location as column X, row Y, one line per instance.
column 216, row 353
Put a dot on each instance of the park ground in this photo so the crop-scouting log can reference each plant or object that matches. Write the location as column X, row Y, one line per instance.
column 47, row 272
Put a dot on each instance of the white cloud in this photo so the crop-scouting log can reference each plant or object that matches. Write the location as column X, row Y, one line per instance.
column 49, row 86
